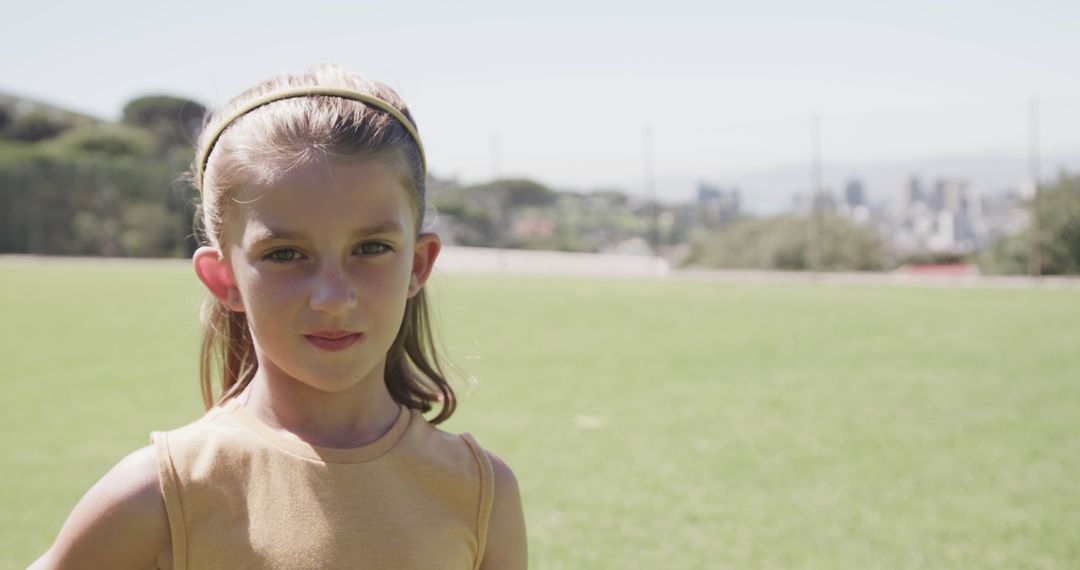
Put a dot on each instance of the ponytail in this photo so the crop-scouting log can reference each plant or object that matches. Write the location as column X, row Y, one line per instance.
column 414, row 376
column 226, row 348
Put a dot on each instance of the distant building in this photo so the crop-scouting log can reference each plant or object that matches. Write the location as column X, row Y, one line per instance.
column 533, row 227
column 910, row 194
column 944, row 219
column 854, row 206
column 854, row 194
column 717, row 207
column 824, row 201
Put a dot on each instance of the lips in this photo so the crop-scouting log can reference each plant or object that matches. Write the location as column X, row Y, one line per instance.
column 334, row 341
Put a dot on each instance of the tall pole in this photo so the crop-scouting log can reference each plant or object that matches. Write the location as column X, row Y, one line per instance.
column 650, row 189
column 496, row 173
column 496, row 156
column 817, row 248
column 1035, row 259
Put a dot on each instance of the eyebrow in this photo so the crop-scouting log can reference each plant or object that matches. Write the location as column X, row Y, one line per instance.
column 268, row 233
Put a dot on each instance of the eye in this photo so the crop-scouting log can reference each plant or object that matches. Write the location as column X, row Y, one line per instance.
column 373, row 248
column 282, row 255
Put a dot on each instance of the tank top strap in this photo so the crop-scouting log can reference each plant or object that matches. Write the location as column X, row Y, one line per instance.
column 170, row 493
column 487, row 492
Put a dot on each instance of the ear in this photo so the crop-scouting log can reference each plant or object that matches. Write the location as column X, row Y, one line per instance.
column 213, row 271
column 427, row 249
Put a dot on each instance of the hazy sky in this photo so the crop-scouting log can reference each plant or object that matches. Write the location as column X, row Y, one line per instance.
column 566, row 87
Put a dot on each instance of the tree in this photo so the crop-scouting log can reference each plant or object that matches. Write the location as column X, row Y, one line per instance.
column 35, row 126
column 96, row 190
column 72, row 185
column 783, row 242
column 486, row 210
column 1059, row 235
column 106, row 140
column 174, row 121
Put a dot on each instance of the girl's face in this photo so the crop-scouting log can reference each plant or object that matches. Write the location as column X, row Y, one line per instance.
column 323, row 261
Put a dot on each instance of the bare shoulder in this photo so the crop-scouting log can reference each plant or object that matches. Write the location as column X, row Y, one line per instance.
column 119, row 523
column 506, row 542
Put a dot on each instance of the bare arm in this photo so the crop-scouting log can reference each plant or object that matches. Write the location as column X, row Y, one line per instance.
column 507, row 548
column 120, row 523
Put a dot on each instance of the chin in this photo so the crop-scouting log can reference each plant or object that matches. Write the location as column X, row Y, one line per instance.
column 341, row 382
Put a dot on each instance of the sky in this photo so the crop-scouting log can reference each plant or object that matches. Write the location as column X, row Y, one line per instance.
column 564, row 92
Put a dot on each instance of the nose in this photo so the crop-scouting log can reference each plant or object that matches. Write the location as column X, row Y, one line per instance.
column 332, row 292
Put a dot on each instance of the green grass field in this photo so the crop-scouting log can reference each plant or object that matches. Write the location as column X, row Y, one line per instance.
column 651, row 423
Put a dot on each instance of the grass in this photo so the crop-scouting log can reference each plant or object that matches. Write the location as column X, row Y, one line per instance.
column 651, row 423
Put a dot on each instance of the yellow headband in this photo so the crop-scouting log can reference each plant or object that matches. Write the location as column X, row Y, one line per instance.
column 294, row 92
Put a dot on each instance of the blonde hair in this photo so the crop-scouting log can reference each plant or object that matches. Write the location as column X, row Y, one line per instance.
column 269, row 141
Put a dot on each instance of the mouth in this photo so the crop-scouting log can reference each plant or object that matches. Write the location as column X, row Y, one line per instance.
column 334, row 340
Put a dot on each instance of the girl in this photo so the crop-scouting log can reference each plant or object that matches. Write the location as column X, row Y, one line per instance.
column 315, row 454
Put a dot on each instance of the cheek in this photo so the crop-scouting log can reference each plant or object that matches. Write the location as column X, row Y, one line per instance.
column 385, row 286
column 267, row 294
column 385, row 290
column 275, row 289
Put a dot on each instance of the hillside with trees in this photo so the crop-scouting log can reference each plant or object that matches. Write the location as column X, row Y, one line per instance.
column 74, row 185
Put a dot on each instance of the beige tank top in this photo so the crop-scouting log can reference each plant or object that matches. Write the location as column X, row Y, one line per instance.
column 240, row 495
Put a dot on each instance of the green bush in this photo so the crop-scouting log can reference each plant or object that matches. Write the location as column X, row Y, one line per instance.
column 784, row 243
column 1059, row 235
column 106, row 140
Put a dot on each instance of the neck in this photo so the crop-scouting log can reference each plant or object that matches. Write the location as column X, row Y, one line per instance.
column 351, row 418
